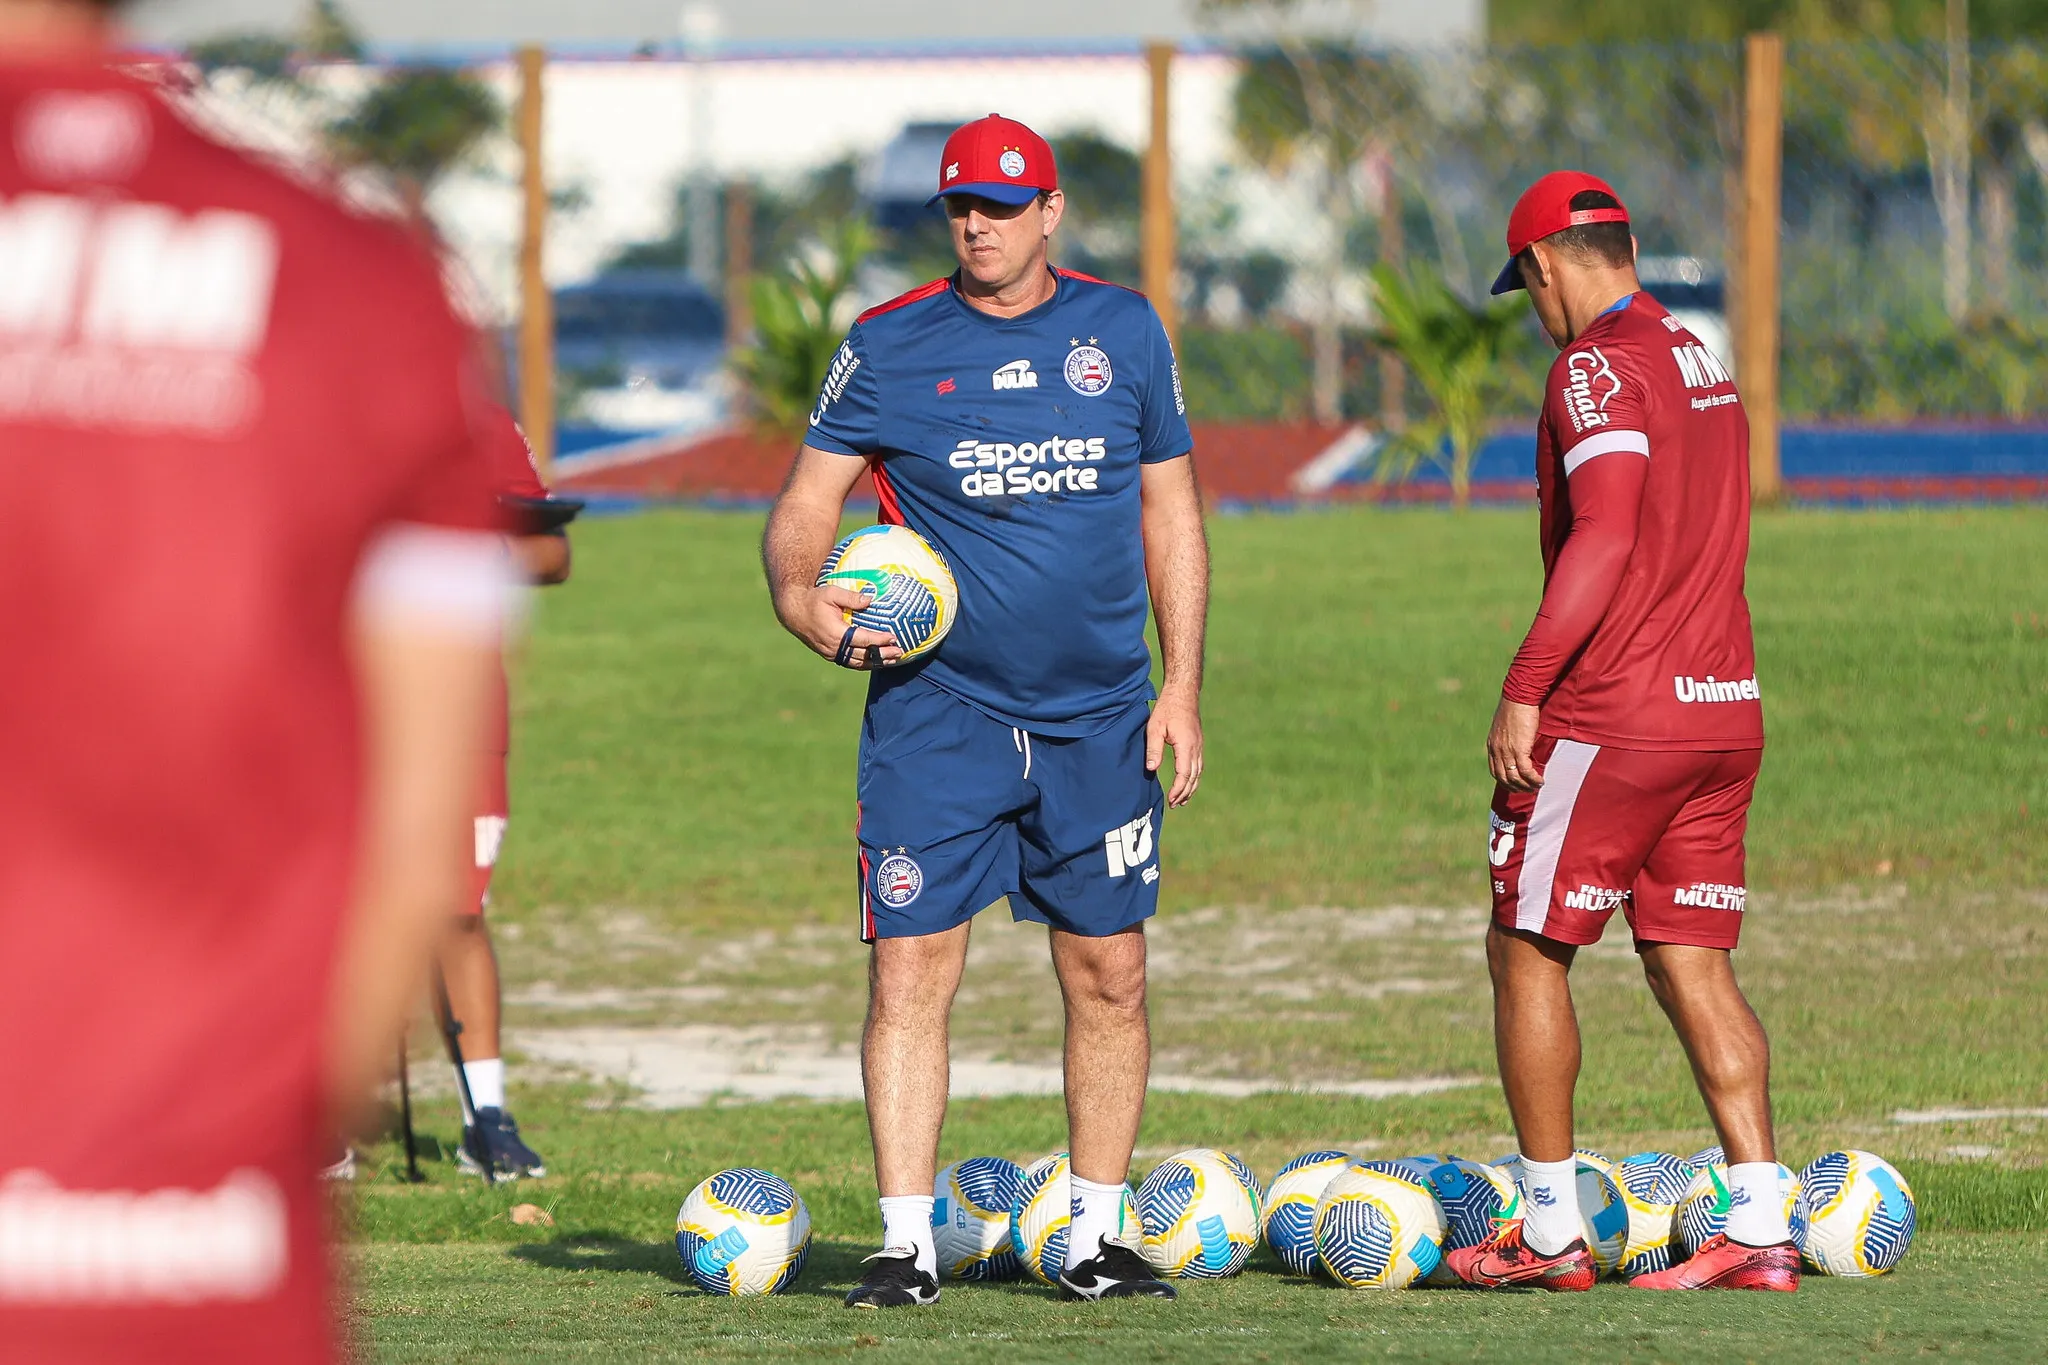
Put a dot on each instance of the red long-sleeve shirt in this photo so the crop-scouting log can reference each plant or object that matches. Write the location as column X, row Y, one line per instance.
column 1642, row 472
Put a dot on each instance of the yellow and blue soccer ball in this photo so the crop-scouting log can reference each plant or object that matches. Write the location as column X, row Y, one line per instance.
column 1856, row 1215
column 1199, row 1214
column 971, row 1218
column 743, row 1232
column 1473, row 1197
column 1378, row 1227
column 1703, row 1213
column 915, row 595
column 1290, row 1222
column 1652, row 1185
column 1603, row 1214
column 1044, row 1210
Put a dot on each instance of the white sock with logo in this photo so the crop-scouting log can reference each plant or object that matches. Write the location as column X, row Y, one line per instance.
column 907, row 1225
column 1098, row 1213
column 1550, row 1204
column 486, row 1082
column 1756, row 1205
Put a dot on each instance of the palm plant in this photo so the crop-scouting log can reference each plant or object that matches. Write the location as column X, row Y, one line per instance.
column 799, row 318
column 418, row 124
column 1453, row 349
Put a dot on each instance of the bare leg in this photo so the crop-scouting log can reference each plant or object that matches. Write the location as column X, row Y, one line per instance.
column 903, row 1060
column 1536, row 1037
column 1730, row 1056
column 470, row 967
column 1108, row 1048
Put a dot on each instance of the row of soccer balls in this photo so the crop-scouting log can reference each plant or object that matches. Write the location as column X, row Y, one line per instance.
column 1363, row 1224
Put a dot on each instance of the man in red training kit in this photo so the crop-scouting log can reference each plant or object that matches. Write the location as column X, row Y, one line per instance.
column 1627, row 741
column 251, row 602
column 539, row 544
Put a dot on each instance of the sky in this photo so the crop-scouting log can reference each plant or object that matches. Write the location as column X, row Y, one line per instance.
column 786, row 25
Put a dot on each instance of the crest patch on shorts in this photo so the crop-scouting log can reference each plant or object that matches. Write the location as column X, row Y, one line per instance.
column 898, row 880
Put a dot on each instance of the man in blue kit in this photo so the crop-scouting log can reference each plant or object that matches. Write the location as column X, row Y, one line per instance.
column 1028, row 422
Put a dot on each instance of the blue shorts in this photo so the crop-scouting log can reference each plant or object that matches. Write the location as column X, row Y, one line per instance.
column 958, row 809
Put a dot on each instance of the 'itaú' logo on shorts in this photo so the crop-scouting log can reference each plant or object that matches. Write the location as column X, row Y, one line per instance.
column 1129, row 845
column 60, row 1246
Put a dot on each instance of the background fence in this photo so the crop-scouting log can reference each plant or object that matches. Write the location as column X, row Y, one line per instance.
column 1913, row 242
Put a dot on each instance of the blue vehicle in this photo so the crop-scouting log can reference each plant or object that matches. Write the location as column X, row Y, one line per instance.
column 898, row 180
column 636, row 351
column 658, row 327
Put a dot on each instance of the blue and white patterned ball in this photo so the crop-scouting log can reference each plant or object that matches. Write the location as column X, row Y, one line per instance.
column 1707, row 1156
column 1652, row 1185
column 1199, row 1211
column 1377, row 1228
column 915, row 595
column 743, row 1231
column 1856, row 1215
column 971, row 1203
column 1472, row 1196
column 1291, row 1207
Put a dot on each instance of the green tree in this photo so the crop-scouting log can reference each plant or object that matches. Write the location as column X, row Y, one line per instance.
column 799, row 319
column 418, row 123
column 1609, row 21
column 1453, row 350
column 329, row 36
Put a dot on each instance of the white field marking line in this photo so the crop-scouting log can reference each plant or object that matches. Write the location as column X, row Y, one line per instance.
column 1964, row 1115
column 681, row 1068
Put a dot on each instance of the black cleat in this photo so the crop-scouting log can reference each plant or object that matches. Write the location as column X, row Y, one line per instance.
column 493, row 1142
column 1115, row 1271
column 893, row 1281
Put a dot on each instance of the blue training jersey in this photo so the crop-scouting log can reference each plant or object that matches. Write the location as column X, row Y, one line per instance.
column 1013, row 446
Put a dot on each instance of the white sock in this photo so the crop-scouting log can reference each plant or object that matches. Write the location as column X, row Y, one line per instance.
column 486, row 1082
column 1756, row 1205
column 907, row 1225
column 1550, row 1204
column 1098, row 1213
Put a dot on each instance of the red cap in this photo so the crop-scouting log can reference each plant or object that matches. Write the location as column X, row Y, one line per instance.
column 997, row 158
column 1546, row 207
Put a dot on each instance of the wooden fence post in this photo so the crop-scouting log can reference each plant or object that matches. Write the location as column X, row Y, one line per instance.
column 1757, row 341
column 536, row 305
column 739, row 262
column 1156, row 238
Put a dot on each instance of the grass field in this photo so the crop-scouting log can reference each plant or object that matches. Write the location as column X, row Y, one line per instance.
column 680, row 855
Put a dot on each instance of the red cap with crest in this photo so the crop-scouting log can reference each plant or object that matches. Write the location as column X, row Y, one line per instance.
column 996, row 158
column 1545, row 208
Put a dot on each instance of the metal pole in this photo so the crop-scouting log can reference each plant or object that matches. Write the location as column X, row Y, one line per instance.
column 1762, row 185
column 1156, row 226
column 412, row 1146
column 451, row 1036
column 700, row 26
column 536, row 306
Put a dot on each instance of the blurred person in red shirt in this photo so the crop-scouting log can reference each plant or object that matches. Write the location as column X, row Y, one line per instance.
column 252, row 597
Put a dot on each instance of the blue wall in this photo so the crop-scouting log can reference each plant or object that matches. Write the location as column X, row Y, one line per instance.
column 1929, row 452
